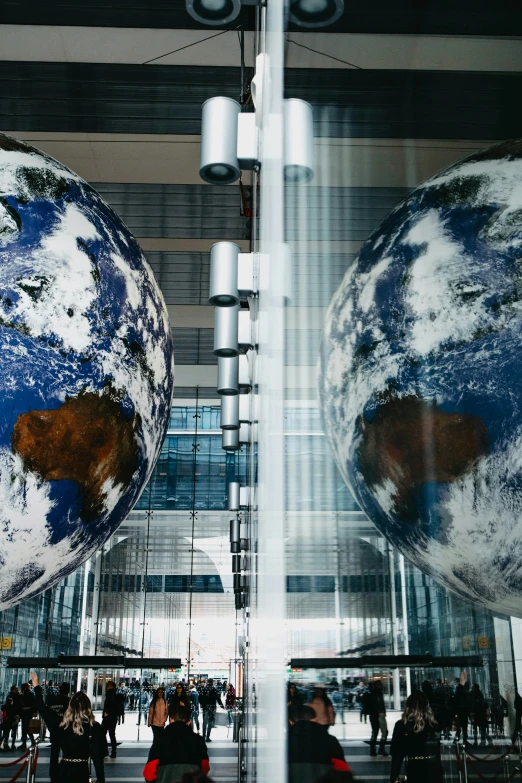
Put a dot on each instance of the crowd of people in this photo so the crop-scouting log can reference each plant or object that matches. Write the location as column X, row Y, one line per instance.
column 432, row 712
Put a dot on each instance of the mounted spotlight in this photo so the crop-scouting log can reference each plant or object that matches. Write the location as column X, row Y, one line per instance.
column 223, row 290
column 226, row 331
column 233, row 497
column 299, row 141
column 219, row 120
column 228, row 375
column 230, row 412
column 315, row 13
column 213, row 12
column 230, row 440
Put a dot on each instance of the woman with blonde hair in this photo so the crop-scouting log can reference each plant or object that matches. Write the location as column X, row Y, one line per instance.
column 79, row 734
column 415, row 739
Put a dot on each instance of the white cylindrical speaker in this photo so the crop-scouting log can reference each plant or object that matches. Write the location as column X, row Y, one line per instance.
column 230, row 440
column 223, row 274
column 228, row 375
column 230, row 412
column 299, row 141
column 213, row 12
column 233, row 496
column 226, row 331
column 219, row 164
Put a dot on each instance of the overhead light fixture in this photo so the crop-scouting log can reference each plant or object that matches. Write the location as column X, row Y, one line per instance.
column 226, row 331
column 223, row 287
column 228, row 375
column 219, row 164
column 230, row 440
column 233, row 496
column 315, row 13
column 230, row 412
column 213, row 12
column 299, row 141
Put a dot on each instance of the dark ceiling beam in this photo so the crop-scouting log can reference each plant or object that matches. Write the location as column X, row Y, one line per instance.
column 429, row 17
column 107, row 98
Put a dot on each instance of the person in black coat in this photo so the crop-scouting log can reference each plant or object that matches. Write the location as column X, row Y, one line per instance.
column 415, row 739
column 518, row 717
column 312, row 750
column 209, row 698
column 113, row 709
column 80, row 736
column 57, row 701
column 462, row 707
column 374, row 704
column 177, row 750
column 13, row 712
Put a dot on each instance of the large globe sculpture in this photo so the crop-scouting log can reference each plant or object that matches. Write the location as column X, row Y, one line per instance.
column 420, row 377
column 86, row 371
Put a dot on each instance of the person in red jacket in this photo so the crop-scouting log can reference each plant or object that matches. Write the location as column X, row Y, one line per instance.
column 177, row 750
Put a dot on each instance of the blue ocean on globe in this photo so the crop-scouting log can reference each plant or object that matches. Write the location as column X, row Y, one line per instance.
column 420, row 377
column 86, row 371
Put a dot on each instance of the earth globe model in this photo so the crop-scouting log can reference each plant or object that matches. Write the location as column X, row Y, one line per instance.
column 420, row 377
column 86, row 371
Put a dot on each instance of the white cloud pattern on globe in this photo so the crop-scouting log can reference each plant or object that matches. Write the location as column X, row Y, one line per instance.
column 86, row 371
column 420, row 379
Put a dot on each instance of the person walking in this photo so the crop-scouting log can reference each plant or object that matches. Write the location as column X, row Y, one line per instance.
column 479, row 714
column 112, row 710
column 377, row 712
column 323, row 707
column 176, row 750
column 28, row 710
column 230, row 702
column 414, row 739
column 209, row 698
column 359, row 692
column 57, row 701
column 13, row 711
column 461, row 707
column 518, row 717
column 293, row 698
column 158, row 713
column 143, row 705
column 80, row 736
column 194, row 707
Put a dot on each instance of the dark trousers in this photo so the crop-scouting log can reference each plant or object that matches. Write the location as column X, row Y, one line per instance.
column 194, row 718
column 109, row 725
column 156, row 732
column 462, row 725
column 26, row 717
column 9, row 727
column 54, row 760
column 208, row 721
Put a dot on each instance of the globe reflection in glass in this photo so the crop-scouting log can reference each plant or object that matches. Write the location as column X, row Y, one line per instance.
column 420, row 377
column 86, row 371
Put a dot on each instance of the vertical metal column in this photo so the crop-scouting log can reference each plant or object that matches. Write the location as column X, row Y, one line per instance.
column 404, row 598
column 83, row 621
column 394, row 629
column 270, row 611
column 94, row 620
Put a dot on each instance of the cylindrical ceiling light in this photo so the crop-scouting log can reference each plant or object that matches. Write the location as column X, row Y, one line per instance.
column 219, row 164
column 299, row 141
column 230, row 440
column 223, row 290
column 230, row 412
column 226, row 331
column 233, row 497
column 315, row 13
column 228, row 375
column 235, row 536
column 213, row 12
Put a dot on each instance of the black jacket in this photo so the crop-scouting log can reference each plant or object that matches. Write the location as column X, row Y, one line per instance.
column 209, row 697
column 310, row 743
column 373, row 703
column 58, row 703
column 422, row 750
column 114, row 704
column 178, row 749
column 90, row 744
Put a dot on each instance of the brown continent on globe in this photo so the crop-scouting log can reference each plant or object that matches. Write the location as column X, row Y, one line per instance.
column 87, row 440
column 412, row 442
